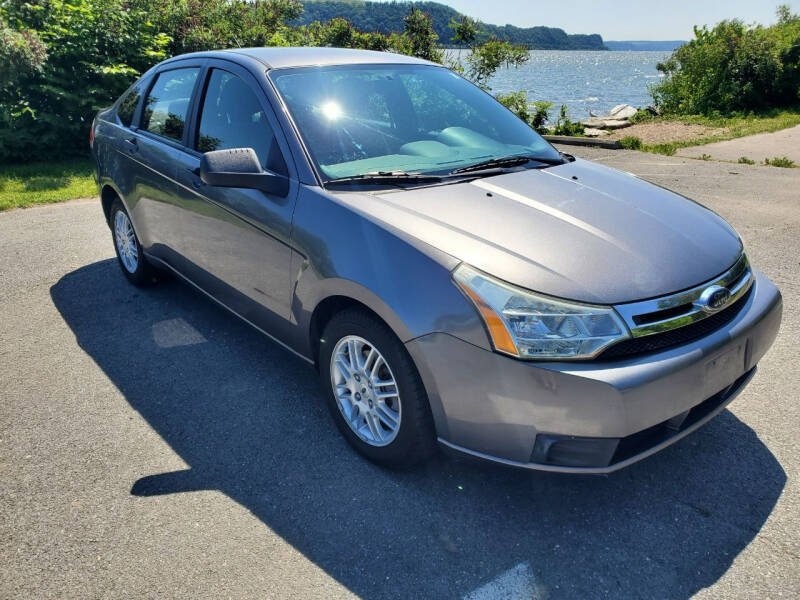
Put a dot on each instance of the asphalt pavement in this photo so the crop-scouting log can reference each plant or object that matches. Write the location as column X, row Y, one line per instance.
column 153, row 446
column 758, row 148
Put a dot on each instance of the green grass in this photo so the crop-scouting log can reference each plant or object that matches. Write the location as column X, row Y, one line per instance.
column 631, row 142
column 780, row 161
column 737, row 126
column 44, row 182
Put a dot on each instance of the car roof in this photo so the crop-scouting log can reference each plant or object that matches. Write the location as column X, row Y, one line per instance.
column 283, row 57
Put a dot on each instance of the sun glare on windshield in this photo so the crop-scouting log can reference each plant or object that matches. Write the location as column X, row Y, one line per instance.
column 331, row 110
column 357, row 119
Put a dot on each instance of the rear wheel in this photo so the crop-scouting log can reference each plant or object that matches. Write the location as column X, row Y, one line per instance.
column 129, row 251
column 374, row 391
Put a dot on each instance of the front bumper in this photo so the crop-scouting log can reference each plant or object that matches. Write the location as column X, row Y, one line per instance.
column 494, row 407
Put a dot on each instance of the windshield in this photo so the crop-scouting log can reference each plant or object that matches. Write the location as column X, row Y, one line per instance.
column 358, row 119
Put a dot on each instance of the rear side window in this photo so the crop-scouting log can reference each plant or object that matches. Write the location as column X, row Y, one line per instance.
column 168, row 103
column 232, row 117
column 127, row 106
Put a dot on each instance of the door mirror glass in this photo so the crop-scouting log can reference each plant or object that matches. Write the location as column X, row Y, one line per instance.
column 240, row 168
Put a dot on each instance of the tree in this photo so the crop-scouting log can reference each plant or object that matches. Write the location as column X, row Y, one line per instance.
column 486, row 58
column 422, row 37
column 465, row 31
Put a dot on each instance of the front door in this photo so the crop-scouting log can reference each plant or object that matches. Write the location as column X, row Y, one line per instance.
column 233, row 242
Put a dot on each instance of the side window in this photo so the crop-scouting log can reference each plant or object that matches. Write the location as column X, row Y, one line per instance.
column 232, row 117
column 168, row 103
column 127, row 106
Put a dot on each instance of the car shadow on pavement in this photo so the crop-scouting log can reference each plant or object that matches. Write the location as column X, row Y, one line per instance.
column 249, row 419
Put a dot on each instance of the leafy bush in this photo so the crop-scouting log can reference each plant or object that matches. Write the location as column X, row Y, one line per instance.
column 780, row 161
column 631, row 142
column 62, row 60
column 667, row 149
column 564, row 126
column 642, row 115
column 22, row 52
column 93, row 49
column 734, row 67
column 534, row 114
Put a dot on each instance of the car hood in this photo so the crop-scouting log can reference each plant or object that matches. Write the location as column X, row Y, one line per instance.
column 580, row 231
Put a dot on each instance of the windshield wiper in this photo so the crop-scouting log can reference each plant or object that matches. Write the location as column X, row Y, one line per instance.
column 386, row 177
column 507, row 161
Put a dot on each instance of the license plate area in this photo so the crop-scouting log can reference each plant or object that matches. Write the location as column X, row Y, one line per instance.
column 724, row 369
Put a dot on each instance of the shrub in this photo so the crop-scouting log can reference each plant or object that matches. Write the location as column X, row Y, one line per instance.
column 734, row 67
column 534, row 114
column 642, row 115
column 93, row 50
column 667, row 149
column 564, row 126
column 780, row 161
column 631, row 142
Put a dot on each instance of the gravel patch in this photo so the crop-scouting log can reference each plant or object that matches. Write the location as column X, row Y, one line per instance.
column 663, row 132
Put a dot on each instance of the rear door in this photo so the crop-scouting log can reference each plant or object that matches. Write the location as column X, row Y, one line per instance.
column 234, row 242
column 153, row 148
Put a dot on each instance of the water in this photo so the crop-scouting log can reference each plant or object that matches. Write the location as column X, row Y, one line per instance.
column 583, row 80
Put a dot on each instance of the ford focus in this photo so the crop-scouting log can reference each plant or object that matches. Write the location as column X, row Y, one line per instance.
column 455, row 279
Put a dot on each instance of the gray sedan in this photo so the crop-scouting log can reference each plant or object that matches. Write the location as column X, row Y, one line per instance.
column 455, row 279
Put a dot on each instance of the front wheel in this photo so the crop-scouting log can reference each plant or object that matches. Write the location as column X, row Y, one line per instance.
column 129, row 251
column 374, row 391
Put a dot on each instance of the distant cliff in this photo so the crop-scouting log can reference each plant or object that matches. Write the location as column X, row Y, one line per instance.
column 658, row 46
column 388, row 16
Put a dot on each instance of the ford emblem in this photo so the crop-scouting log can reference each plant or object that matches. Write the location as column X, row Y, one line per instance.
column 713, row 298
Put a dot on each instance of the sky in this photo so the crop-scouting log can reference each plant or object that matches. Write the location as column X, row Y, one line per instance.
column 636, row 20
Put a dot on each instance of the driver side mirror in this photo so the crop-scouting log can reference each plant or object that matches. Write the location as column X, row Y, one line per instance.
column 240, row 168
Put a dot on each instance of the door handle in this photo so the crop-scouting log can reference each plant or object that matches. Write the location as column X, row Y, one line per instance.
column 132, row 145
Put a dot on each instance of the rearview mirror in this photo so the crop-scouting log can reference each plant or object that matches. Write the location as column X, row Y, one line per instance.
column 240, row 168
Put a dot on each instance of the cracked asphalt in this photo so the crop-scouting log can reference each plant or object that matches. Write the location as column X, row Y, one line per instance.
column 151, row 445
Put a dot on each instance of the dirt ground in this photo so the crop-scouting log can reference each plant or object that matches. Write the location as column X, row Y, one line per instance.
column 662, row 132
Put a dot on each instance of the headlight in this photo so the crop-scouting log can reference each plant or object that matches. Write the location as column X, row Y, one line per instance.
column 531, row 326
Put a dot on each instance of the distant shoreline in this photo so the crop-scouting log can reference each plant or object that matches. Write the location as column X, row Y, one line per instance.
column 606, row 49
column 644, row 45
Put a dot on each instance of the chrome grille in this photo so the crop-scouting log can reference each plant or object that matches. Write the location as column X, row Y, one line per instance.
column 660, row 315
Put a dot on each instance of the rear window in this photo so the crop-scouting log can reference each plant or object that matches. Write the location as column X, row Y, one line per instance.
column 168, row 103
column 127, row 105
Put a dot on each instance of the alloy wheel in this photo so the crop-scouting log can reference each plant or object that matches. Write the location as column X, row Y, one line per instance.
column 366, row 390
column 125, row 240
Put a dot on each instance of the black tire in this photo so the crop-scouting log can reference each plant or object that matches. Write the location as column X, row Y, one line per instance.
column 144, row 274
column 415, row 440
